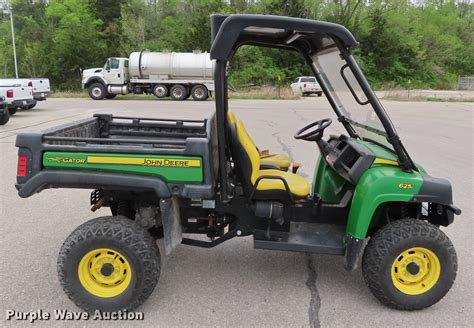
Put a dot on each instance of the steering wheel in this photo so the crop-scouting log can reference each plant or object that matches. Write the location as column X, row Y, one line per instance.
column 316, row 130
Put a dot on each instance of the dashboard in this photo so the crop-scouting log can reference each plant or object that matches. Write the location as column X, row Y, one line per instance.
column 347, row 157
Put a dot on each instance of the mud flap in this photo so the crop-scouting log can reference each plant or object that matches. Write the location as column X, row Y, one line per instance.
column 354, row 248
column 171, row 223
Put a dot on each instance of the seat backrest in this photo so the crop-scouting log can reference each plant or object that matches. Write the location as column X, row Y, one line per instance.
column 245, row 154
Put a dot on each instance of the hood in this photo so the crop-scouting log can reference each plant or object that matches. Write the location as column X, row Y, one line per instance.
column 87, row 73
column 92, row 71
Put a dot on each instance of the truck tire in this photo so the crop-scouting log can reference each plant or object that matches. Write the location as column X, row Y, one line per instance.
column 31, row 106
column 199, row 92
column 178, row 92
column 160, row 91
column 109, row 264
column 110, row 96
column 5, row 117
column 97, row 91
column 409, row 264
column 320, row 94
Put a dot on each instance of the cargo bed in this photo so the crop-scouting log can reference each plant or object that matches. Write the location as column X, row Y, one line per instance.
column 172, row 157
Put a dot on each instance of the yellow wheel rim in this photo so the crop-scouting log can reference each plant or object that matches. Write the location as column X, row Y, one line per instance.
column 104, row 272
column 415, row 271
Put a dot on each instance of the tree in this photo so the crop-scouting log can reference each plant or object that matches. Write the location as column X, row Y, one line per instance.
column 76, row 39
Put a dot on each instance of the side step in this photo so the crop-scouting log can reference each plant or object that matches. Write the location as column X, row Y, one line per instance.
column 304, row 237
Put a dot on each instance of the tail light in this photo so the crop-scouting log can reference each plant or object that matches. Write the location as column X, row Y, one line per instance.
column 304, row 85
column 10, row 93
column 30, row 84
column 22, row 166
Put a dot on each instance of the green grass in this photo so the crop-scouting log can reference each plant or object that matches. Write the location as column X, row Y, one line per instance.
column 256, row 93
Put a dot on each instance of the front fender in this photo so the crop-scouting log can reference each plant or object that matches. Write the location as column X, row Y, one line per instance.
column 376, row 186
column 94, row 79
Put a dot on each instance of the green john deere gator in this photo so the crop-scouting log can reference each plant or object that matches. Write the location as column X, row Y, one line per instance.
column 163, row 178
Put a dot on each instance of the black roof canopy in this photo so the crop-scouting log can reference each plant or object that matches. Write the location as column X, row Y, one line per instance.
column 231, row 32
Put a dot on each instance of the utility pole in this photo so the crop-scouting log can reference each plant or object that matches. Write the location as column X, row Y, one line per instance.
column 13, row 42
column 6, row 11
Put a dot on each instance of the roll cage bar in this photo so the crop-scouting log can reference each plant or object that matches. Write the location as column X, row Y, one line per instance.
column 305, row 36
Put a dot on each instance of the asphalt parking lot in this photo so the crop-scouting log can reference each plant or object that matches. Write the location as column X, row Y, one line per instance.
column 234, row 285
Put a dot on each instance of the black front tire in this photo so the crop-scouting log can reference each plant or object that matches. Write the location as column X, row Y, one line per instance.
column 178, row 92
column 123, row 236
column 392, row 245
column 5, row 117
column 97, row 91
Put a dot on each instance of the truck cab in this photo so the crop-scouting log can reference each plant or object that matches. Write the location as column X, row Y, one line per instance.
column 107, row 81
column 116, row 71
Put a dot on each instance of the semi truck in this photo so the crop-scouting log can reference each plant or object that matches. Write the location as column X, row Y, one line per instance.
column 177, row 75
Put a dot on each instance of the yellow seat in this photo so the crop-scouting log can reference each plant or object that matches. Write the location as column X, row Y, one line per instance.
column 281, row 161
column 250, row 165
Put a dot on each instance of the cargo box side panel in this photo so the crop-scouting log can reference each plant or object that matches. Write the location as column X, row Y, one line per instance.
column 172, row 169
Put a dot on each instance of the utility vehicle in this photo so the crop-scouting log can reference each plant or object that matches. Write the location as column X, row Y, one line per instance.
column 162, row 178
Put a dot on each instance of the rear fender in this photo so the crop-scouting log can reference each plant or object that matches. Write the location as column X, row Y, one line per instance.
column 91, row 180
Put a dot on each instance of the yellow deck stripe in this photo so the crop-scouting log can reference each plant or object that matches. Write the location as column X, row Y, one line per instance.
column 166, row 162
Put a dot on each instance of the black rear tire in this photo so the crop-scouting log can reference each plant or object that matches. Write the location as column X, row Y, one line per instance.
column 200, row 92
column 31, row 106
column 97, row 91
column 135, row 256
column 399, row 267
column 178, row 92
column 320, row 94
column 5, row 117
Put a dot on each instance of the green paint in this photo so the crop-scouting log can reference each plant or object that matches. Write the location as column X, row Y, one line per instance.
column 174, row 169
column 378, row 185
column 327, row 182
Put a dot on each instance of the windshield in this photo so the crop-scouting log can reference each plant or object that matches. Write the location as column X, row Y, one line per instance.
column 353, row 105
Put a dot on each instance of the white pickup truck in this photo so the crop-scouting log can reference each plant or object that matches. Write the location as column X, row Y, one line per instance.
column 41, row 88
column 17, row 96
column 306, row 85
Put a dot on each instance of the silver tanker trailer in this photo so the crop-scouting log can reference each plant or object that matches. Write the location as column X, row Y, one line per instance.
column 174, row 74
